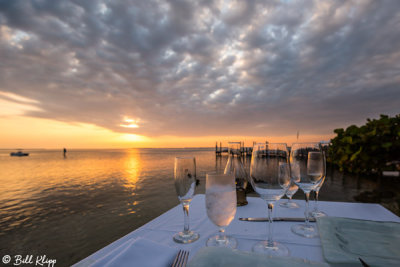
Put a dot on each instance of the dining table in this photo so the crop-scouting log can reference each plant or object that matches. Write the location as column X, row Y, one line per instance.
column 160, row 230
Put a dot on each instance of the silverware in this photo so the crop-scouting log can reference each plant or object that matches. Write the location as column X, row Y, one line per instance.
column 363, row 263
column 277, row 219
column 181, row 258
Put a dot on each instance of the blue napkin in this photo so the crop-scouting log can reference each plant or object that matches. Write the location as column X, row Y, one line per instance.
column 216, row 256
column 346, row 240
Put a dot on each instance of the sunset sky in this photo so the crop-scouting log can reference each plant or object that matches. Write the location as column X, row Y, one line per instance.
column 108, row 74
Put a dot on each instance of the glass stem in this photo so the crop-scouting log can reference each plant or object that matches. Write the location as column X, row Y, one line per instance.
column 222, row 237
column 316, row 200
column 306, row 213
column 270, row 225
column 185, row 205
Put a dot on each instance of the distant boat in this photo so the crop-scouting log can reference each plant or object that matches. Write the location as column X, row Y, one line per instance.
column 19, row 154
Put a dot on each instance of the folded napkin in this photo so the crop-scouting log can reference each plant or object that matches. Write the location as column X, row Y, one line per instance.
column 217, row 256
column 345, row 240
column 138, row 252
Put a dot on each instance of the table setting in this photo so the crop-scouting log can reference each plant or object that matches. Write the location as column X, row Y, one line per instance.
column 216, row 229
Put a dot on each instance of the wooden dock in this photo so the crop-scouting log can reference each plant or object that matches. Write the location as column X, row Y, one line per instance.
column 244, row 151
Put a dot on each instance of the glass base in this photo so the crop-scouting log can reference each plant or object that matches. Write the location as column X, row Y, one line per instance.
column 222, row 241
column 316, row 214
column 308, row 231
column 241, row 198
column 289, row 205
column 241, row 203
column 186, row 237
column 274, row 249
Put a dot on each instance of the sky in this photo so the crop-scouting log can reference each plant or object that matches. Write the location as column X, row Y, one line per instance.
column 177, row 73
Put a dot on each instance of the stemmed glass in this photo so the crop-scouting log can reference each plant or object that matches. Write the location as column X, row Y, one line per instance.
column 185, row 183
column 289, row 193
column 235, row 166
column 270, row 178
column 307, row 170
column 316, row 212
column 221, row 207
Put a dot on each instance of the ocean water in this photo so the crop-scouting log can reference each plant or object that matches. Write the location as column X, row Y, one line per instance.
column 68, row 208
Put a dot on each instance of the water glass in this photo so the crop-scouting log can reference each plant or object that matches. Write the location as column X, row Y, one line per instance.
column 221, row 207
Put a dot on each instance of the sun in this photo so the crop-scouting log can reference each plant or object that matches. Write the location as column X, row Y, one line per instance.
column 130, row 123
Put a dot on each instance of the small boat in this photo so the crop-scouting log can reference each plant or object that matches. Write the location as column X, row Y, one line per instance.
column 19, row 154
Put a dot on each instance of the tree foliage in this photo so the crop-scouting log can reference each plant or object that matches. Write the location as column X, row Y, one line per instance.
column 368, row 148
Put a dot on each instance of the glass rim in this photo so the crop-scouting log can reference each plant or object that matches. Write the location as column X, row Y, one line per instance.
column 214, row 173
column 276, row 144
column 185, row 157
column 269, row 143
column 303, row 143
column 307, row 144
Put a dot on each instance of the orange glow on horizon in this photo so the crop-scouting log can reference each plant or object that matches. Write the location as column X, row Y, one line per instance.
column 26, row 132
column 19, row 131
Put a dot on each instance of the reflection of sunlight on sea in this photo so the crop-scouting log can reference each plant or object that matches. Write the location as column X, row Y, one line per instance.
column 131, row 166
column 131, row 177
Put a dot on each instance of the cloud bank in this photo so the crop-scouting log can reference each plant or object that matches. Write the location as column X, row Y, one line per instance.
column 197, row 68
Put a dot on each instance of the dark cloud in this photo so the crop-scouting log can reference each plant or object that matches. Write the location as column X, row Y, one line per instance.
column 192, row 68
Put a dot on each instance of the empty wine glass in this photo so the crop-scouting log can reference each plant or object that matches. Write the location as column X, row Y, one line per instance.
column 235, row 166
column 307, row 171
column 270, row 178
column 289, row 193
column 185, row 183
column 221, row 206
column 316, row 212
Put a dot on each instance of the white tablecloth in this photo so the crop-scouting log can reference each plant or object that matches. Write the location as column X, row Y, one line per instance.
column 162, row 228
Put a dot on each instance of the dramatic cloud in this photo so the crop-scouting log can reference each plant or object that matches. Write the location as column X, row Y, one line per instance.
column 193, row 68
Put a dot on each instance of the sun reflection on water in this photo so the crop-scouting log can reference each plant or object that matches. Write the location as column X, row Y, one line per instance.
column 132, row 168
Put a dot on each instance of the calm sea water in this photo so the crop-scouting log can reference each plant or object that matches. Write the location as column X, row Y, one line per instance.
column 68, row 208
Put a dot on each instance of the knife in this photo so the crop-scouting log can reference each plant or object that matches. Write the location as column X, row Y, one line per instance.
column 277, row 219
column 363, row 263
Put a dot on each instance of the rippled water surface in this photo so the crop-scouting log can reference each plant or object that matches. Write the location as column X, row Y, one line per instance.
column 68, row 208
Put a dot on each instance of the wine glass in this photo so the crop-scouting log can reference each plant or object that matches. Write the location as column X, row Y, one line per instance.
column 221, row 207
column 270, row 178
column 289, row 193
column 235, row 166
column 307, row 170
column 185, row 183
column 316, row 212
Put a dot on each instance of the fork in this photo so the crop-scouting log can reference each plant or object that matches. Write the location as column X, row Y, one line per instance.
column 181, row 258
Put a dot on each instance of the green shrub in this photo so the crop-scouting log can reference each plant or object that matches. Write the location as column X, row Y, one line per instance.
column 368, row 148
